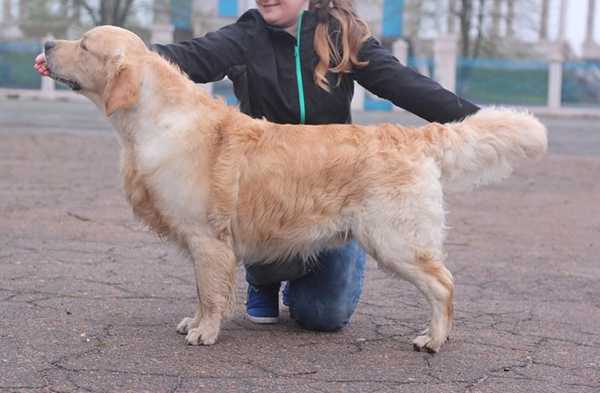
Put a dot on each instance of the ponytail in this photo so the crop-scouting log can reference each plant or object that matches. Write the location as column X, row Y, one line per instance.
column 341, row 56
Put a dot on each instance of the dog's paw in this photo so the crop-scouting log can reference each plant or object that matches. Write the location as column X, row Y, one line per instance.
column 186, row 325
column 427, row 343
column 205, row 334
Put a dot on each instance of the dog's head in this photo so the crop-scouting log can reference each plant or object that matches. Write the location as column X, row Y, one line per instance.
column 103, row 65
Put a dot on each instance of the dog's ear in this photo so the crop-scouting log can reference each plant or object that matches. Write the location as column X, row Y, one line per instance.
column 122, row 90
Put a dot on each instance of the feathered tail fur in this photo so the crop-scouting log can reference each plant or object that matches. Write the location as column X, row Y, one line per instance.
column 484, row 147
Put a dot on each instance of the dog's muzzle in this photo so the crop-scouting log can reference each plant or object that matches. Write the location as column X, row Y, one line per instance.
column 73, row 85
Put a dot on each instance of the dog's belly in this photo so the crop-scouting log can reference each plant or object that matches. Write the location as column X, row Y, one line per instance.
column 261, row 242
column 298, row 199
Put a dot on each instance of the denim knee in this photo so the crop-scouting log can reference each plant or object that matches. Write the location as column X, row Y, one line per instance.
column 320, row 317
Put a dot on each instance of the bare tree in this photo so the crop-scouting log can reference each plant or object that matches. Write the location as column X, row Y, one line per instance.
column 510, row 19
column 543, row 34
column 480, row 24
column 451, row 17
column 40, row 17
column 465, row 16
column 107, row 12
column 496, row 16
column 479, row 38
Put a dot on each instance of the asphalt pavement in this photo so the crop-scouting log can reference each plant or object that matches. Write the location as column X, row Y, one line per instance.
column 89, row 299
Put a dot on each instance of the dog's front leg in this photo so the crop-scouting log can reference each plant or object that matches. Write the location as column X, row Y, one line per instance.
column 214, row 266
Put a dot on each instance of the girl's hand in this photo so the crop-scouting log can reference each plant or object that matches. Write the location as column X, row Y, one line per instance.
column 40, row 65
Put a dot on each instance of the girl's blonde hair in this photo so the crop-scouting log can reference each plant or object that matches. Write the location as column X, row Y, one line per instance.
column 341, row 56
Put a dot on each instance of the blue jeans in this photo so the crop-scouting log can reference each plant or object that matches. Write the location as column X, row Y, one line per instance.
column 323, row 297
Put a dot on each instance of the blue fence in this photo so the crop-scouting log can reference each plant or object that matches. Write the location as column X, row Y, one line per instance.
column 16, row 60
column 181, row 14
column 484, row 81
column 503, row 81
column 581, row 83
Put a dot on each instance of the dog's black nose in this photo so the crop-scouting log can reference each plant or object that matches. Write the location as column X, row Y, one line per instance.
column 49, row 45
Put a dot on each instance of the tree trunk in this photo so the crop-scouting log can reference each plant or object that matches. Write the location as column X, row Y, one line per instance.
column 109, row 12
column 7, row 12
column 510, row 19
column 415, row 18
column 544, row 21
column 589, row 31
column 76, row 12
column 480, row 15
column 465, row 14
column 496, row 15
column 451, row 16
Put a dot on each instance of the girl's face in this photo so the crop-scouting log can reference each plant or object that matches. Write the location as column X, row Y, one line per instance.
column 281, row 13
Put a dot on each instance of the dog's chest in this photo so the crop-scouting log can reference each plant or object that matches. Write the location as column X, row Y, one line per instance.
column 169, row 172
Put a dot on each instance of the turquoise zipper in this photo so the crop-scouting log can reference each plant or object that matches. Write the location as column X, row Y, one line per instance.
column 299, row 70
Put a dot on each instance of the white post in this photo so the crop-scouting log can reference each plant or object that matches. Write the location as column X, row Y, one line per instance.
column 543, row 33
column 451, row 22
column 444, row 56
column 555, row 76
column 557, row 56
column 162, row 30
column 400, row 49
column 591, row 50
column 48, row 86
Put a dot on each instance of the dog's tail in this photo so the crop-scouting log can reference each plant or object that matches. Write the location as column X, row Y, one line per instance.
column 484, row 147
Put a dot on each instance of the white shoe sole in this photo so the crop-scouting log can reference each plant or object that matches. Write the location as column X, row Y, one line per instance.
column 262, row 320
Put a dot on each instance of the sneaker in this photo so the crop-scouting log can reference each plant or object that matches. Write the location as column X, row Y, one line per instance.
column 262, row 305
column 285, row 295
column 285, row 298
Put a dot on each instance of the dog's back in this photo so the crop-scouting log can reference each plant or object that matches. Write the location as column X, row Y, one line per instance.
column 301, row 186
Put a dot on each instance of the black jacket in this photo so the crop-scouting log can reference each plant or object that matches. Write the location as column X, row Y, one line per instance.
column 259, row 59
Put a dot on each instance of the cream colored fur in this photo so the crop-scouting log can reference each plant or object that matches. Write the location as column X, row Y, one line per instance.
column 229, row 188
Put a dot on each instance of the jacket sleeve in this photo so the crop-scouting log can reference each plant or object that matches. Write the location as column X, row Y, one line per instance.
column 406, row 88
column 208, row 58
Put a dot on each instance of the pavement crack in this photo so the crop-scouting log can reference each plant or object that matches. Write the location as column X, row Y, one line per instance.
column 79, row 217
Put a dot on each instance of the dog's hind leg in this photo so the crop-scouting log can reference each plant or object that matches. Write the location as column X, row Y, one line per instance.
column 436, row 282
column 214, row 267
column 424, row 268
column 405, row 236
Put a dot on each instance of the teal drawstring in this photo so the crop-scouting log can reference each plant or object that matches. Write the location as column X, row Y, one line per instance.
column 299, row 70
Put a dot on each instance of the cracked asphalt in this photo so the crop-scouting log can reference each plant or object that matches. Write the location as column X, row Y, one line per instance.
column 89, row 299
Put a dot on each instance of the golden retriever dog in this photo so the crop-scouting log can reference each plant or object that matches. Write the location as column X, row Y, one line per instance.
column 226, row 187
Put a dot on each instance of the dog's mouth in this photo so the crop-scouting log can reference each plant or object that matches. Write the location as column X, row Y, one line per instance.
column 73, row 85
